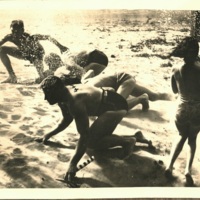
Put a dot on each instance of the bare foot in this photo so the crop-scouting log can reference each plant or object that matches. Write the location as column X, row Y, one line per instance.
column 168, row 175
column 38, row 139
column 41, row 140
column 144, row 101
column 189, row 180
column 10, row 80
column 128, row 149
column 140, row 138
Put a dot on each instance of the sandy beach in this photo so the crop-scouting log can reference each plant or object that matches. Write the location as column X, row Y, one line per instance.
column 134, row 41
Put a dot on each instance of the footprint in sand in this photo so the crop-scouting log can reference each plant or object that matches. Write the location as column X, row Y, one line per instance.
column 26, row 92
column 72, row 137
column 63, row 157
column 40, row 111
column 15, row 117
column 16, row 152
column 27, row 118
column 24, row 127
column 37, row 146
column 40, row 132
column 15, row 162
column 6, row 108
column 3, row 115
column 21, row 139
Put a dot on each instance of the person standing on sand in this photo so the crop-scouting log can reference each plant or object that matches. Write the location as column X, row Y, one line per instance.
column 79, row 101
column 186, row 82
column 28, row 48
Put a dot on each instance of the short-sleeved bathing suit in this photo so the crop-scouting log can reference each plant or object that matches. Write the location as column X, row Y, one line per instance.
column 112, row 101
column 30, row 48
column 187, row 117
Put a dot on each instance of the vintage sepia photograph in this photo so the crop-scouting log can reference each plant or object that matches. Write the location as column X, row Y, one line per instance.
column 100, row 95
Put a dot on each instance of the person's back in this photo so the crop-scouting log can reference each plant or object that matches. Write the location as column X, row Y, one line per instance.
column 188, row 82
column 102, row 80
column 108, row 78
column 85, row 96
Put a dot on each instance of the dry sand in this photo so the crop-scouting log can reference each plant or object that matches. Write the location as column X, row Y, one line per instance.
column 25, row 115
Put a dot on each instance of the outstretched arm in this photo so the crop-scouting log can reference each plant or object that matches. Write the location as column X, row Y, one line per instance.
column 54, row 41
column 67, row 119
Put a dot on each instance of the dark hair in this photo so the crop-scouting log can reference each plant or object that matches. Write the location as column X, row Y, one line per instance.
column 97, row 56
column 51, row 82
column 53, row 59
column 70, row 80
column 188, row 43
column 17, row 24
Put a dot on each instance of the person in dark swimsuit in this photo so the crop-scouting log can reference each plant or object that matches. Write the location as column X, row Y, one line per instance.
column 78, row 102
column 95, row 74
column 28, row 48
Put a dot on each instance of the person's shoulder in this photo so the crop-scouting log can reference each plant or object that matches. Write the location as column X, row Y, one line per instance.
column 197, row 64
column 8, row 37
column 27, row 34
column 177, row 69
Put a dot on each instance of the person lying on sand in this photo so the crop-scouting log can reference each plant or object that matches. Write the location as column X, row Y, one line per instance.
column 28, row 48
column 121, row 82
column 125, row 85
column 186, row 82
column 81, row 62
column 84, row 58
column 78, row 102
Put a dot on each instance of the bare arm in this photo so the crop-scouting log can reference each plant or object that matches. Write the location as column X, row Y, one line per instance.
column 5, row 39
column 88, row 74
column 173, row 85
column 67, row 119
column 82, row 124
column 54, row 41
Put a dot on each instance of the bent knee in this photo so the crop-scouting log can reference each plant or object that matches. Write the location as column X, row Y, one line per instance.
column 93, row 144
column 4, row 49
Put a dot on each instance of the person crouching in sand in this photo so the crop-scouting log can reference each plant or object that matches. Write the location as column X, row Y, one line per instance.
column 186, row 82
column 78, row 102
column 28, row 48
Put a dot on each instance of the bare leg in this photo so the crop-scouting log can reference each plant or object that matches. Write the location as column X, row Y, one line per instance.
column 101, row 130
column 126, row 88
column 190, row 157
column 12, row 51
column 140, row 138
column 40, row 69
column 177, row 148
column 142, row 99
column 139, row 90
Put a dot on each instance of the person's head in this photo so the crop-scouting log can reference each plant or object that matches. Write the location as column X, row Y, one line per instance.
column 81, row 58
column 188, row 49
column 52, row 87
column 17, row 27
column 68, row 75
column 53, row 60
